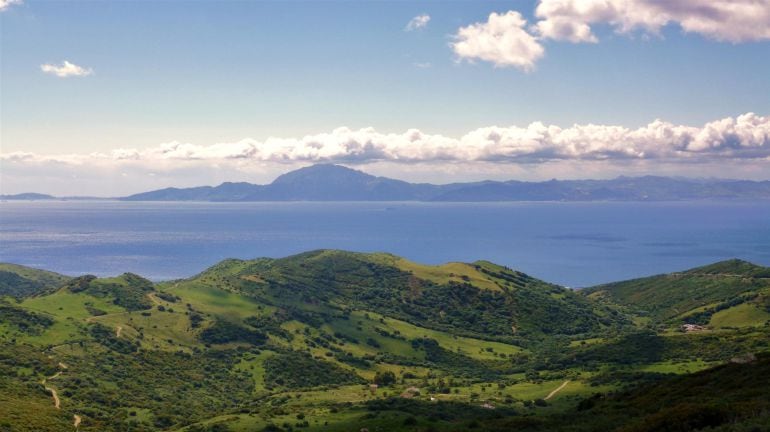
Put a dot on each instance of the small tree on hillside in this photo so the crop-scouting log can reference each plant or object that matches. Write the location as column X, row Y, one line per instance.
column 385, row 378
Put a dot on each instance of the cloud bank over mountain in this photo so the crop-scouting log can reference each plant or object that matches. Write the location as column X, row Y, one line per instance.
column 729, row 147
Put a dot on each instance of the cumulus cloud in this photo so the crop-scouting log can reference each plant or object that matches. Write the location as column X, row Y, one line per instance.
column 418, row 22
column 722, row 20
column 503, row 40
column 66, row 69
column 744, row 137
column 5, row 4
column 508, row 40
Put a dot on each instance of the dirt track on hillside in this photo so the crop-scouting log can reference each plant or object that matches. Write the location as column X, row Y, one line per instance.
column 54, row 394
column 557, row 390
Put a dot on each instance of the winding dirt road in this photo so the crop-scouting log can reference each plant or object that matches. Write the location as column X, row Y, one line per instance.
column 557, row 390
column 54, row 395
column 76, row 419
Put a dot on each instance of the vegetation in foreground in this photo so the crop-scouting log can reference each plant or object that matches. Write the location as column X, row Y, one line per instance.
column 340, row 341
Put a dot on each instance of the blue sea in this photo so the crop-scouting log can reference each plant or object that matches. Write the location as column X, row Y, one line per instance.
column 574, row 244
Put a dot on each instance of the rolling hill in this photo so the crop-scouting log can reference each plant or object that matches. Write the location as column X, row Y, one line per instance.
column 713, row 293
column 330, row 340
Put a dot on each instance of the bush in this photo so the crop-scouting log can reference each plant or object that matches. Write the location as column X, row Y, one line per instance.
column 385, row 379
column 298, row 370
column 225, row 332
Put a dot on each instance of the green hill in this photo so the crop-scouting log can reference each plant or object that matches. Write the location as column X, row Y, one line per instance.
column 479, row 299
column 298, row 342
column 20, row 281
column 695, row 296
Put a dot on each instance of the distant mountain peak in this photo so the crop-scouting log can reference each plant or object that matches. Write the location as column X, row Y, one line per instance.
column 322, row 172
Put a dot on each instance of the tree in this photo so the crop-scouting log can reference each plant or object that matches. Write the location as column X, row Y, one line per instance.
column 385, row 378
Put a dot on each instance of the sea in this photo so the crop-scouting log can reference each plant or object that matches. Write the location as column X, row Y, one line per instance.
column 573, row 244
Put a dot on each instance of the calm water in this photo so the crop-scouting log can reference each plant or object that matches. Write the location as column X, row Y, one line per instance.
column 576, row 244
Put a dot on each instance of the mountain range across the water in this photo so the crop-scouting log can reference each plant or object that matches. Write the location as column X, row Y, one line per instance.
column 327, row 182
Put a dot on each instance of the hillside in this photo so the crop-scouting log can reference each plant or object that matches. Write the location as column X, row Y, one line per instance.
column 734, row 292
column 730, row 397
column 478, row 299
column 20, row 281
column 325, row 182
column 299, row 342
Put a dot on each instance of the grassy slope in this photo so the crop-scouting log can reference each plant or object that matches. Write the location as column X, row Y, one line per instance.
column 742, row 315
column 672, row 297
column 21, row 281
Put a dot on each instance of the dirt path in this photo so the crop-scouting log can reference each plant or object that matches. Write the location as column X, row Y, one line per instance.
column 153, row 299
column 56, row 401
column 557, row 390
column 54, row 395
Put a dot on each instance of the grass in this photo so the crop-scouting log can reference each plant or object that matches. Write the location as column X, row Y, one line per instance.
column 158, row 329
column 589, row 341
column 254, row 365
column 474, row 348
column 69, row 312
column 742, row 315
column 64, row 304
column 217, row 301
column 443, row 274
column 682, row 367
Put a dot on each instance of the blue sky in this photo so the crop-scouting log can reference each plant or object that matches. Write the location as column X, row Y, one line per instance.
column 205, row 72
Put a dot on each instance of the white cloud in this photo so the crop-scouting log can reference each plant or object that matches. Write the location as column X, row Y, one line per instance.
column 66, row 69
column 502, row 40
column 507, row 39
column 722, row 20
column 418, row 22
column 744, row 137
column 5, row 4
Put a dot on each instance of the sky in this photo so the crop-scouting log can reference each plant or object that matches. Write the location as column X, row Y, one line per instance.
column 114, row 97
